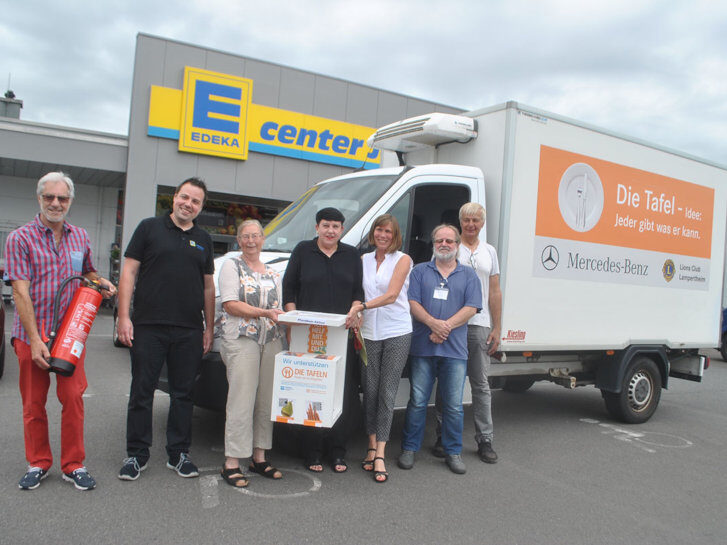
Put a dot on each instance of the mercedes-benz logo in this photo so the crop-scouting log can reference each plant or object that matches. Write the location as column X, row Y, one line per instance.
column 550, row 257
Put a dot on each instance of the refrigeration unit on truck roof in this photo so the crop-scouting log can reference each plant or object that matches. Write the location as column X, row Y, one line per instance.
column 424, row 131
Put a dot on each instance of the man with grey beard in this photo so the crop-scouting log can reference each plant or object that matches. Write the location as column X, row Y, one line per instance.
column 443, row 296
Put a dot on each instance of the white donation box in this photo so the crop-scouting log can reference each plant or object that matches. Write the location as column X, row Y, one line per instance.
column 309, row 377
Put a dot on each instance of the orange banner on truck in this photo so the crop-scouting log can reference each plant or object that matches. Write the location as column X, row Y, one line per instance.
column 585, row 199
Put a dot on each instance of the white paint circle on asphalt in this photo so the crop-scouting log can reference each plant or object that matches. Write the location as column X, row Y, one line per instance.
column 208, row 486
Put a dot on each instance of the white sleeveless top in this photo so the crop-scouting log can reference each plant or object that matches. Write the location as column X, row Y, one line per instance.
column 391, row 320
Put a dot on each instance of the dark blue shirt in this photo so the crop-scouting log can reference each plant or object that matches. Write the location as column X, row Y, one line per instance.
column 463, row 291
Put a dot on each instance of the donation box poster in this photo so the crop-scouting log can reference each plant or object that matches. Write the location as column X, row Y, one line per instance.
column 308, row 379
column 308, row 389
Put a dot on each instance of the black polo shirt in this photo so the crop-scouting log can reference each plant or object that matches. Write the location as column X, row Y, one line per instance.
column 170, row 283
column 316, row 282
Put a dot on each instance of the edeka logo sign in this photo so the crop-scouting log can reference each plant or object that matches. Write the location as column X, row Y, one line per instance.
column 213, row 115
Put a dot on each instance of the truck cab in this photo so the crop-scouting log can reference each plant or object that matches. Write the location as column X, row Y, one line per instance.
column 419, row 197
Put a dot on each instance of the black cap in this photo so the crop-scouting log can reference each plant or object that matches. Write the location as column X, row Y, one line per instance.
column 330, row 214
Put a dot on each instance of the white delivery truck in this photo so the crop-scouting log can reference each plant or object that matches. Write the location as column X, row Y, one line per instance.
column 612, row 250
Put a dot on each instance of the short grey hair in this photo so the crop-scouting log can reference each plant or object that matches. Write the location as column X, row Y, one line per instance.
column 250, row 222
column 56, row 177
column 472, row 209
column 441, row 226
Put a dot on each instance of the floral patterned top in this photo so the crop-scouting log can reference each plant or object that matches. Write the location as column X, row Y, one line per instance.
column 238, row 282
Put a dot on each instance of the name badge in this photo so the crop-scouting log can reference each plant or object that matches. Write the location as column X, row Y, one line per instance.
column 441, row 293
column 267, row 283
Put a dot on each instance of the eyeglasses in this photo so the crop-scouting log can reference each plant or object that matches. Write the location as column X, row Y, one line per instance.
column 473, row 261
column 444, row 241
column 251, row 236
column 48, row 199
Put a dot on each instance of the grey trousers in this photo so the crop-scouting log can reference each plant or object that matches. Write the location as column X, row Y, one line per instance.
column 478, row 367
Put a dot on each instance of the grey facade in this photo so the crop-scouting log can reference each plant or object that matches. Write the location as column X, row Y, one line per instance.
column 96, row 162
column 142, row 167
column 155, row 162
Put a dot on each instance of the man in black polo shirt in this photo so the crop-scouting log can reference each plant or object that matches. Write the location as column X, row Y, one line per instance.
column 170, row 259
column 324, row 275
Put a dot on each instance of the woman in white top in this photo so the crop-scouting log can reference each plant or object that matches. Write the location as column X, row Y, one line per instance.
column 386, row 330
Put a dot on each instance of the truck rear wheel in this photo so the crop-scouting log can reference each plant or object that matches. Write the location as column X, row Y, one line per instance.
column 518, row 385
column 640, row 393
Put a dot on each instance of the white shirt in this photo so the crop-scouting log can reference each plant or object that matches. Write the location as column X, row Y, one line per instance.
column 391, row 320
column 484, row 261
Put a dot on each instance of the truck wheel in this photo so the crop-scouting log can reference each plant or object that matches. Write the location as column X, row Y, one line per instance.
column 115, row 333
column 518, row 385
column 640, row 393
column 723, row 348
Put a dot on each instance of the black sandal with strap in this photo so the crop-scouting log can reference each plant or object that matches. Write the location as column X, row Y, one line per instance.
column 265, row 469
column 339, row 461
column 234, row 477
column 384, row 474
column 368, row 465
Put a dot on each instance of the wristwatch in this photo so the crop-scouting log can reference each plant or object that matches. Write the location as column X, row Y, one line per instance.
column 363, row 305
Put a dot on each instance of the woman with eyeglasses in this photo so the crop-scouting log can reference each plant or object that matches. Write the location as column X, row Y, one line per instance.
column 250, row 294
column 386, row 331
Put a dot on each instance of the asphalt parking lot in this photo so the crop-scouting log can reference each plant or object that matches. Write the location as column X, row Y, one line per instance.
column 567, row 474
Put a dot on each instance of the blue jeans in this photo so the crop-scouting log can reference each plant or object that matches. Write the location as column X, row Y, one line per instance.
column 450, row 374
column 478, row 369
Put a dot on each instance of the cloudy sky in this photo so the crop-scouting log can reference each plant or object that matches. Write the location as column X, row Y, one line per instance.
column 654, row 69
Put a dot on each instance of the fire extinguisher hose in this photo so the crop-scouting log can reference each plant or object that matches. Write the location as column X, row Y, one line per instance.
column 57, row 303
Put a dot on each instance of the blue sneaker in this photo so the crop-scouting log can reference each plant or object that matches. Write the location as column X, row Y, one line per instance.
column 80, row 479
column 131, row 469
column 184, row 466
column 31, row 480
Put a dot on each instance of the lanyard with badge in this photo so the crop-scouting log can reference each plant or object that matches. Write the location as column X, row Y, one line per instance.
column 442, row 291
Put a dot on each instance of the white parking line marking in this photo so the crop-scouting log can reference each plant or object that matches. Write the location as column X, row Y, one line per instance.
column 315, row 487
column 640, row 439
column 209, row 484
column 208, row 489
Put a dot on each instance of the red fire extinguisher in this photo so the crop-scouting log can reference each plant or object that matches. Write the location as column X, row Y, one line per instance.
column 67, row 342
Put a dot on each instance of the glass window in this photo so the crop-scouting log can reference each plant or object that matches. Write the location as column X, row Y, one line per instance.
column 353, row 197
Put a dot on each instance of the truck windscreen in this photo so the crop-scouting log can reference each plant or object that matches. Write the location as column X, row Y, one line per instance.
column 352, row 196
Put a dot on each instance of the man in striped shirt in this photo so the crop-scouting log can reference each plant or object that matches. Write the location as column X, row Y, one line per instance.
column 38, row 257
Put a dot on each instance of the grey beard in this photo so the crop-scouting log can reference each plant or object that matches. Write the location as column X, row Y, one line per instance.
column 445, row 256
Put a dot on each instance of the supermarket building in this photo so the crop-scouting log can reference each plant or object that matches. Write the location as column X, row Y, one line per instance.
column 258, row 133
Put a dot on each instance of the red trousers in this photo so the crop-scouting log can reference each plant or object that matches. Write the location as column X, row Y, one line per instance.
column 34, row 385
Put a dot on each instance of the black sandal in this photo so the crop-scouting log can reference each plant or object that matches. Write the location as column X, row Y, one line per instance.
column 368, row 465
column 314, row 462
column 234, row 477
column 265, row 469
column 339, row 462
column 384, row 474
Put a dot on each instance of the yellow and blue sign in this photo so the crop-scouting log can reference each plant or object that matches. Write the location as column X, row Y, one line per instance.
column 213, row 115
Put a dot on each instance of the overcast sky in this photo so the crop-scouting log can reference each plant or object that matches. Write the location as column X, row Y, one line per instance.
column 656, row 69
